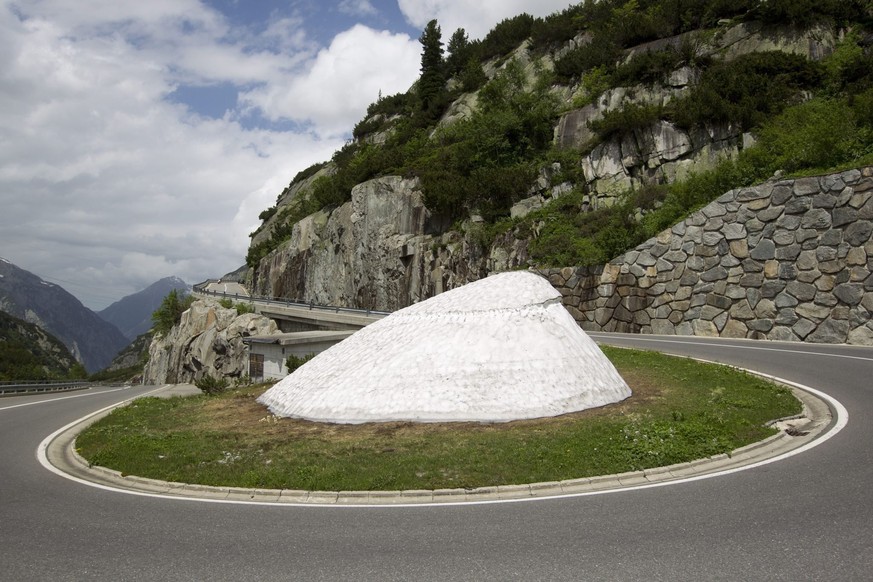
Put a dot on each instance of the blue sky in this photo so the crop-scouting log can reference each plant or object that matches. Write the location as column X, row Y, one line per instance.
column 322, row 21
column 141, row 139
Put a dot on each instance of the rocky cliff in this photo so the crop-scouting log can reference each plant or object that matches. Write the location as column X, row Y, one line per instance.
column 663, row 152
column 620, row 137
column 785, row 260
column 383, row 250
column 207, row 341
column 380, row 251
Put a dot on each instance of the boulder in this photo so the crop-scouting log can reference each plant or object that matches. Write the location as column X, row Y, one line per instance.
column 207, row 341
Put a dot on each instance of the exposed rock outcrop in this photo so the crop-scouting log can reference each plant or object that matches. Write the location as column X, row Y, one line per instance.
column 207, row 341
column 288, row 194
column 662, row 152
column 379, row 252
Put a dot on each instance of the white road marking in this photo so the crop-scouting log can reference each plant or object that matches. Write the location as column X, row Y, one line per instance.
column 61, row 398
column 595, row 335
column 842, row 419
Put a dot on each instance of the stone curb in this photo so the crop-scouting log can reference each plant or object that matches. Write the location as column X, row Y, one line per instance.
column 816, row 417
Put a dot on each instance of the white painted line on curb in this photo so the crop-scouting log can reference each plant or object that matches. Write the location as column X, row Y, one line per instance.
column 842, row 419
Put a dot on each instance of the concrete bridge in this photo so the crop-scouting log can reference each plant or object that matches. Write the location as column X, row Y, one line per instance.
column 293, row 315
column 307, row 328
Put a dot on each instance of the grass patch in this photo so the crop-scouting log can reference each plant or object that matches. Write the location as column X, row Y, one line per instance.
column 680, row 410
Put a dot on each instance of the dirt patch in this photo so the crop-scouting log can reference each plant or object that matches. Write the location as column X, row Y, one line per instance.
column 241, row 414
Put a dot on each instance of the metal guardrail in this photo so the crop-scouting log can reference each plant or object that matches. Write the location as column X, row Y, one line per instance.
column 32, row 386
column 287, row 302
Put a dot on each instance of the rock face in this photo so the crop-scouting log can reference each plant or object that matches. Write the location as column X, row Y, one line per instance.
column 786, row 260
column 502, row 348
column 207, row 341
column 663, row 152
column 659, row 153
column 378, row 252
column 287, row 195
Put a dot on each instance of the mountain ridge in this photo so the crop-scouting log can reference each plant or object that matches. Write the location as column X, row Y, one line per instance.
column 132, row 314
column 92, row 340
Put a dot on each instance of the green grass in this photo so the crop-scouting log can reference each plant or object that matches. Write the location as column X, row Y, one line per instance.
column 681, row 410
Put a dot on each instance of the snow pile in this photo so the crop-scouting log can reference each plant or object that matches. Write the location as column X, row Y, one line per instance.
column 499, row 349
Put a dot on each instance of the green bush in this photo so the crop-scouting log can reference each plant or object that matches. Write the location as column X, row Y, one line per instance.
column 293, row 362
column 211, row 385
column 560, row 27
column 267, row 214
column 308, row 172
column 803, row 13
column 819, row 133
column 367, row 126
column 398, row 104
column 602, row 51
column 243, row 308
column 649, row 67
column 472, row 76
column 621, row 122
column 746, row 91
column 506, row 36
column 171, row 310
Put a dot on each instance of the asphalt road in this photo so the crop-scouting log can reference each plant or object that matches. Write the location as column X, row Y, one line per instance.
column 807, row 517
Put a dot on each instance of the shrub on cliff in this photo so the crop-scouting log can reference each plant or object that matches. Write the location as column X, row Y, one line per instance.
column 170, row 312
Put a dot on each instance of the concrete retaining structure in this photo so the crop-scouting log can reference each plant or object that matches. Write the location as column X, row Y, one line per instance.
column 785, row 260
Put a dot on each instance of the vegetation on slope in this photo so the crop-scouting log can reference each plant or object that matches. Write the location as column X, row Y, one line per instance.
column 170, row 312
column 29, row 353
column 806, row 115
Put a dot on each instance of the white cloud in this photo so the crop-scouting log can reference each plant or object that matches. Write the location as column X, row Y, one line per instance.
column 476, row 18
column 107, row 186
column 357, row 8
column 342, row 80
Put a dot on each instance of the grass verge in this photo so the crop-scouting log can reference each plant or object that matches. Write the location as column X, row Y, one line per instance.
column 680, row 410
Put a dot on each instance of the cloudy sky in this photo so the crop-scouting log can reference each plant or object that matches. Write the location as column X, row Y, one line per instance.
column 141, row 139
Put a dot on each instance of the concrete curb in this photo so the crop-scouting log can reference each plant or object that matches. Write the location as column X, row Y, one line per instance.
column 795, row 432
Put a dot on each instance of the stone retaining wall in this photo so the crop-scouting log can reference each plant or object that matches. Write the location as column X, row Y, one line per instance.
column 785, row 260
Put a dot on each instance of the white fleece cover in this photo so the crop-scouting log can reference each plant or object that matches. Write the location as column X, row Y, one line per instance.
column 498, row 349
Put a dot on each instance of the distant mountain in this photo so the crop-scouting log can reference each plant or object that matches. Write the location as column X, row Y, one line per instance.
column 133, row 314
column 91, row 340
column 127, row 366
column 28, row 352
column 237, row 276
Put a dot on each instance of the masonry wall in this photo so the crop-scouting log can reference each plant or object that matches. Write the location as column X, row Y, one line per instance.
column 786, row 260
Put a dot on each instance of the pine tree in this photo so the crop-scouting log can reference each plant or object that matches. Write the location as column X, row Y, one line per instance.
column 431, row 84
column 459, row 52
